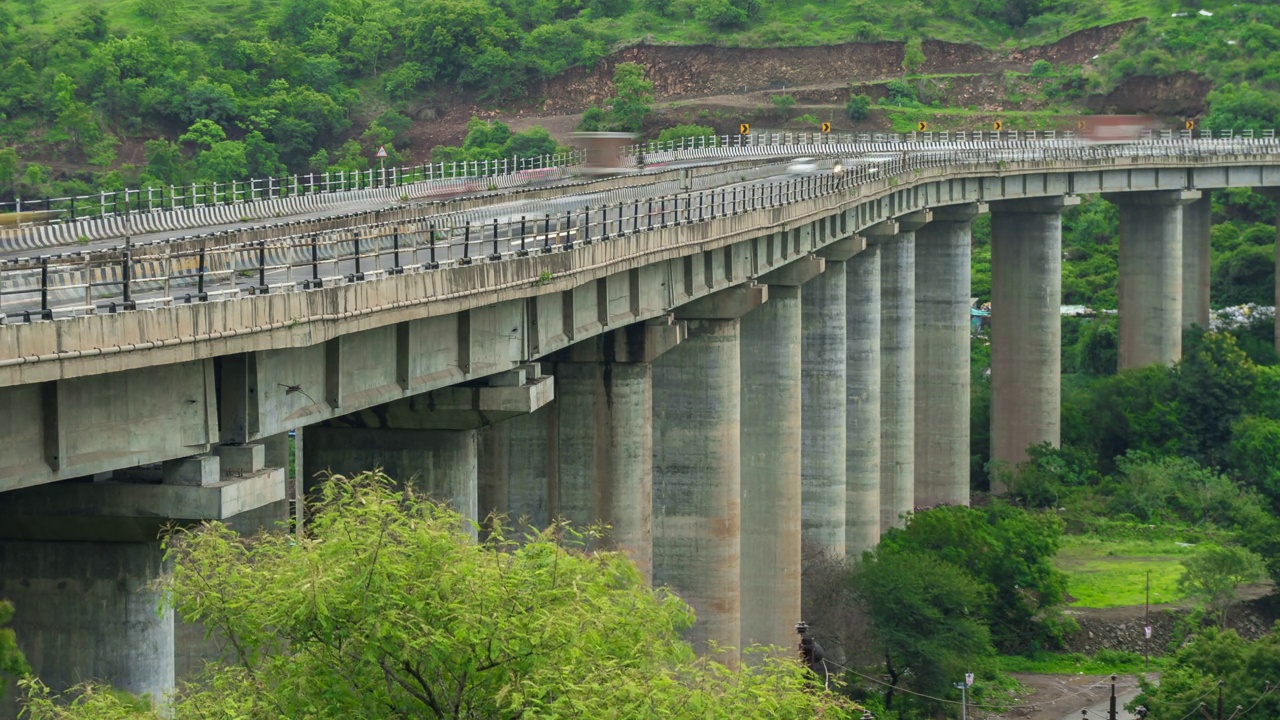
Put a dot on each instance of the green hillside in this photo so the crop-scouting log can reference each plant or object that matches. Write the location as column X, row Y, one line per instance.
column 255, row 87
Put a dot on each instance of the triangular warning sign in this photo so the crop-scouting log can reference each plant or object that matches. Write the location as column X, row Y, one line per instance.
column 382, row 151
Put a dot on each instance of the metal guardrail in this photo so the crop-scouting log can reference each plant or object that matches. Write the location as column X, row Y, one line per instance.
column 186, row 271
column 455, row 176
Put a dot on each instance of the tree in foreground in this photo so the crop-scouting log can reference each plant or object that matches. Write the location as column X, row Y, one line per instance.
column 1248, row 673
column 387, row 610
column 1215, row 573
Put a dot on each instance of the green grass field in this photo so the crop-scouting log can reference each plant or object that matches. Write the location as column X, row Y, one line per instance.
column 1114, row 574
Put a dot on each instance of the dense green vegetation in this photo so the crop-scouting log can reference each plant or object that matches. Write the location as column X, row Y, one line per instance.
column 252, row 87
column 388, row 609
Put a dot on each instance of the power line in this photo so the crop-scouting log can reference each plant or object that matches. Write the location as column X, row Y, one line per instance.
column 1000, row 708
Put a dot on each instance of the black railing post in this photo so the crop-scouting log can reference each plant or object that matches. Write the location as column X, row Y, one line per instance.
column 432, row 246
column 649, row 214
column 355, row 245
column 45, row 312
column 315, row 260
column 125, row 274
column 496, row 255
column 604, row 223
column 262, row 266
column 200, row 273
column 466, row 245
column 395, row 252
column 546, row 233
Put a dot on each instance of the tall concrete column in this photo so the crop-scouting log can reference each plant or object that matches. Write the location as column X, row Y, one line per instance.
column 1196, row 262
column 771, row 441
column 862, row 402
column 516, row 468
column 942, row 357
column 1150, row 297
column 897, row 366
column 1026, row 326
column 91, row 610
column 81, row 563
column 824, row 307
column 604, row 390
column 697, row 464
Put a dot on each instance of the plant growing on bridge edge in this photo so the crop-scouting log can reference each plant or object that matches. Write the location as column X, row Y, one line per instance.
column 386, row 609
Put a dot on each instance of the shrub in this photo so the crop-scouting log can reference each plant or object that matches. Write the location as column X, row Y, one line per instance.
column 858, row 108
column 1041, row 68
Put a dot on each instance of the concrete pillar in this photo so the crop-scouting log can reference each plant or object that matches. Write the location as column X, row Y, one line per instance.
column 438, row 463
column 825, row 354
column 91, row 610
column 1026, row 326
column 862, row 402
column 897, row 366
column 697, row 464
column 1196, row 262
column 516, row 469
column 1150, row 297
column 771, row 441
column 80, row 561
column 605, row 423
column 942, row 357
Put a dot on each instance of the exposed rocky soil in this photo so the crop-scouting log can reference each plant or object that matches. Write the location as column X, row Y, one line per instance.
column 722, row 87
column 1121, row 628
column 701, row 70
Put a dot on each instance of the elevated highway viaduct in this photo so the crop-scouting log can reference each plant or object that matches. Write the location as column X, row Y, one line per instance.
column 790, row 367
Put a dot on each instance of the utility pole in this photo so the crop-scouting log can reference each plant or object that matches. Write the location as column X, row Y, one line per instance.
column 964, row 701
column 1111, row 711
column 1146, row 628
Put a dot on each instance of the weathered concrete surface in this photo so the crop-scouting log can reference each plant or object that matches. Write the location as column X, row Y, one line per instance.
column 91, row 610
column 1150, row 296
column 862, row 402
column 1026, row 327
column 822, row 374
column 771, row 440
column 72, row 428
column 897, row 378
column 438, row 463
column 697, row 477
column 1196, row 262
column 942, row 357
column 517, row 468
column 605, row 425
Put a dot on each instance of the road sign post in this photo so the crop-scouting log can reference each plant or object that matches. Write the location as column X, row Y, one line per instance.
column 382, row 163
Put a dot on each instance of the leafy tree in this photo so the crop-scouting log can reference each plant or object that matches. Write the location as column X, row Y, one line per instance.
column 1241, row 107
column 12, row 662
column 1214, row 574
column 8, row 170
column 634, row 94
column 1041, row 68
column 720, row 14
column 165, row 162
column 1009, row 551
column 224, row 161
column 203, row 134
column 858, row 108
column 926, row 615
column 687, row 131
column 1246, row 671
column 387, row 610
column 1255, row 454
column 783, row 103
column 1214, row 384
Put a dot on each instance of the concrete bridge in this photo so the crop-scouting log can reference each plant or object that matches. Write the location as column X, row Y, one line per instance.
column 723, row 375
